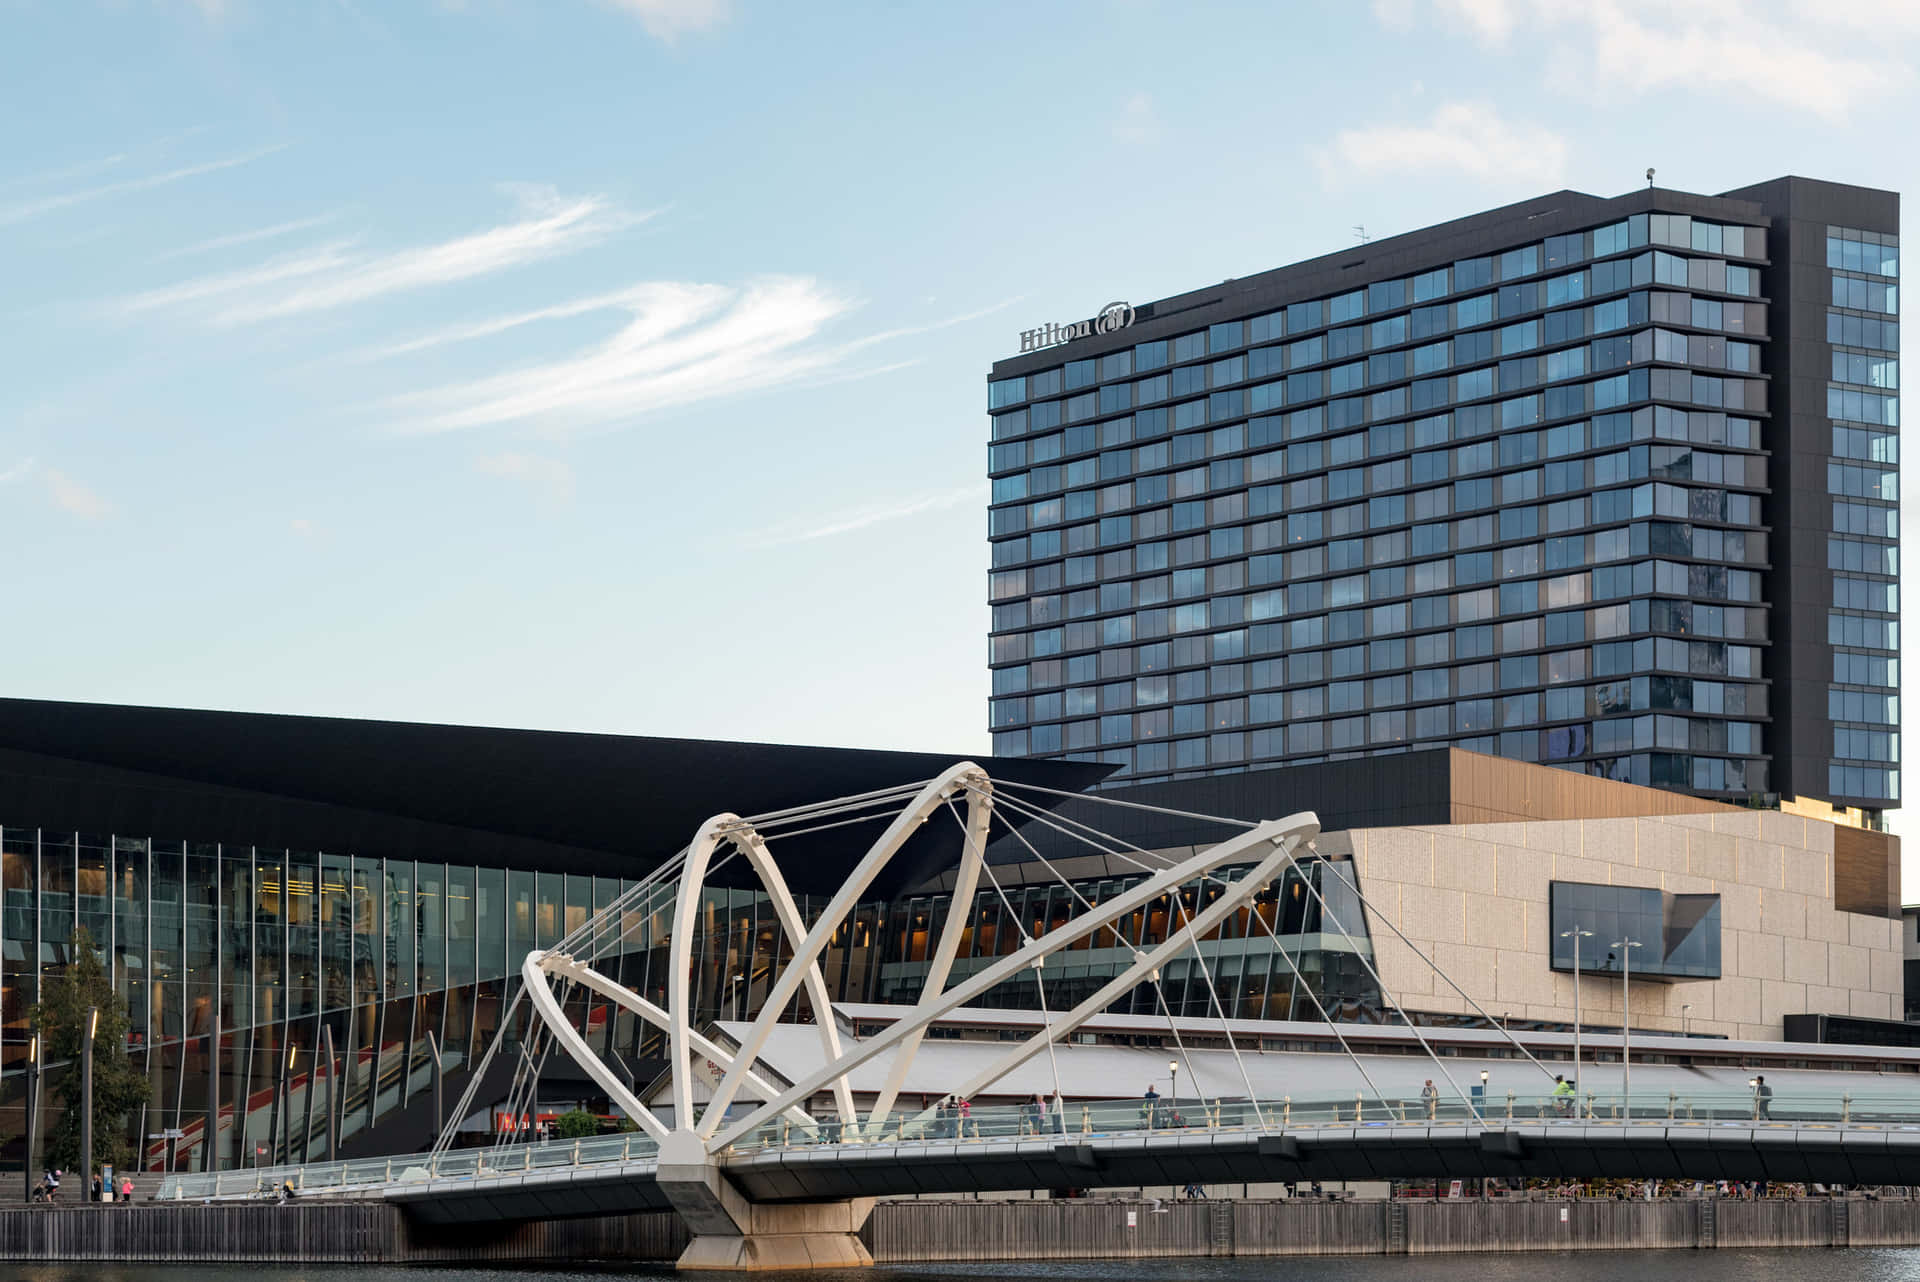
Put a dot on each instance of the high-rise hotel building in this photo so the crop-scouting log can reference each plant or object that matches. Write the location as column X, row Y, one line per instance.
column 1609, row 484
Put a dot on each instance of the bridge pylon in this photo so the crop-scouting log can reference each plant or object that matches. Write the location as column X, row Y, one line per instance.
column 734, row 1233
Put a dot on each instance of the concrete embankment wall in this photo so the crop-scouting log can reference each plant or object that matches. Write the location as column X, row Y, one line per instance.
column 339, row 1232
column 901, row 1232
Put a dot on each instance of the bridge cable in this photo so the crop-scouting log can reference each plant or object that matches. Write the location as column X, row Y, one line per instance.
column 1049, row 818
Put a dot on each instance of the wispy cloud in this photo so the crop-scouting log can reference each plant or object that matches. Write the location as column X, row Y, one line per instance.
column 22, row 211
column 330, row 276
column 848, row 520
column 1137, row 122
column 679, row 343
column 231, row 239
column 17, row 472
column 74, row 498
column 1807, row 57
column 550, row 479
column 1464, row 138
column 669, row 19
column 67, row 174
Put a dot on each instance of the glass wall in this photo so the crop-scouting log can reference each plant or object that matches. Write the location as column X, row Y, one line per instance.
column 268, row 987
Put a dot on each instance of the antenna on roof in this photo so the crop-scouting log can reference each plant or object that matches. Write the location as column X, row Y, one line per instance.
column 1649, row 177
column 1360, row 233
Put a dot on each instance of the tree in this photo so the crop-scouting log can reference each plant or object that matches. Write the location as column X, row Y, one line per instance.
column 60, row 1017
column 577, row 1125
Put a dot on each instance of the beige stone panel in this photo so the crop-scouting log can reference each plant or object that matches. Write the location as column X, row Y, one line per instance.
column 1806, row 961
column 1886, row 973
column 1868, row 932
column 1702, row 821
column 1737, row 999
column 1685, row 883
column 1710, row 854
column 1435, row 914
column 1827, row 1001
column 1397, row 854
column 1580, row 868
column 1561, row 837
column 1759, row 955
column 1598, row 994
column 1783, row 914
column 1338, row 843
column 1539, row 930
column 1809, row 872
column 1470, row 966
column 1783, row 829
column 1461, row 864
column 1826, row 924
column 1739, row 823
column 1819, row 837
column 1514, row 834
column 1847, row 967
column 1872, row 1005
column 1400, row 967
column 1520, row 873
column 1523, row 979
column 1756, row 1033
column 1611, row 840
column 1760, row 863
column 1739, row 906
column 1659, row 846
column 1497, row 922
column 1779, row 998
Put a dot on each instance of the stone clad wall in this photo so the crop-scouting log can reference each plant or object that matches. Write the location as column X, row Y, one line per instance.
column 1474, row 897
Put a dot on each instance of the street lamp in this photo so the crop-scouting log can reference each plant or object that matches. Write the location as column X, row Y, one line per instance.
column 1576, row 935
column 1626, row 947
column 32, row 1110
column 1684, row 1008
column 1173, row 1078
column 86, row 1104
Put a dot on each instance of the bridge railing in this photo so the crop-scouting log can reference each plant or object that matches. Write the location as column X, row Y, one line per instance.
column 1492, row 1109
column 320, row 1178
column 1092, row 1118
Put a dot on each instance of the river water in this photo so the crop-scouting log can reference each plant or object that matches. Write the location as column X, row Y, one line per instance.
column 1823, row 1265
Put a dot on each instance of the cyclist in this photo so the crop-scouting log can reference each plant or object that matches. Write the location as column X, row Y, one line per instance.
column 1562, row 1095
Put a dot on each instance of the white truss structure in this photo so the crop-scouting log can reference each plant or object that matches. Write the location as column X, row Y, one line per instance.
column 1268, row 848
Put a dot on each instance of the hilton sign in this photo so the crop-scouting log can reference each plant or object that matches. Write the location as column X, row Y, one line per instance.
column 1113, row 316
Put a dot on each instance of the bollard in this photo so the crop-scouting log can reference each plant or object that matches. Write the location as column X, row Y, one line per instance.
column 1846, row 1109
column 1673, row 1098
column 1509, row 1106
column 576, row 1152
column 1356, row 1106
column 1590, row 1098
column 1086, row 1120
column 1286, row 1110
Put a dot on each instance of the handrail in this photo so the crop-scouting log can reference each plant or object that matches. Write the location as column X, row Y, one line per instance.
column 1088, row 1119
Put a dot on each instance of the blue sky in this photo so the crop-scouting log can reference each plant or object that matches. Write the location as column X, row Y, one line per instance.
column 618, row 364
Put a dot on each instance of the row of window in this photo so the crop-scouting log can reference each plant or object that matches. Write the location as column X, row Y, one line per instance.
column 1386, row 296
column 1866, row 295
column 1859, row 406
column 1161, row 715
column 1863, row 631
column 1866, row 369
column 1863, row 331
column 1862, row 251
column 1863, row 781
column 1867, row 745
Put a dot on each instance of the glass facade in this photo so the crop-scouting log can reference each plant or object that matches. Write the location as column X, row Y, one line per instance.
column 237, row 961
column 1512, row 503
column 1863, row 481
column 1678, row 936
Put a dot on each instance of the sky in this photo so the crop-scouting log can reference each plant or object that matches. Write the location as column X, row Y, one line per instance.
column 618, row 365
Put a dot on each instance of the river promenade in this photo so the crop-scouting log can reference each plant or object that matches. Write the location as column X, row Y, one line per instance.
column 921, row 1231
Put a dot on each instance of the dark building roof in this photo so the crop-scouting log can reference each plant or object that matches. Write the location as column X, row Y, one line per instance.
column 612, row 805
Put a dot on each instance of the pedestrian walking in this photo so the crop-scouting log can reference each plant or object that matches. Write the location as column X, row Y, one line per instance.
column 126, row 1191
column 1430, row 1097
column 1762, row 1099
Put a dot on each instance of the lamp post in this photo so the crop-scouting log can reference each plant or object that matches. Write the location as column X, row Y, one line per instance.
column 1482, row 1110
column 736, row 997
column 86, row 1102
column 1626, row 947
column 32, row 1118
column 1173, row 1080
column 1576, row 935
column 1684, row 1008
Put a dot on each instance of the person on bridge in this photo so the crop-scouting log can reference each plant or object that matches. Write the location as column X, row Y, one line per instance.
column 1562, row 1095
column 1430, row 1096
column 1150, row 1105
column 1762, row 1100
column 126, row 1191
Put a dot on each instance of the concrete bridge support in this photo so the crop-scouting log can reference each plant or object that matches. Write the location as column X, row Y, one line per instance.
column 730, row 1232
